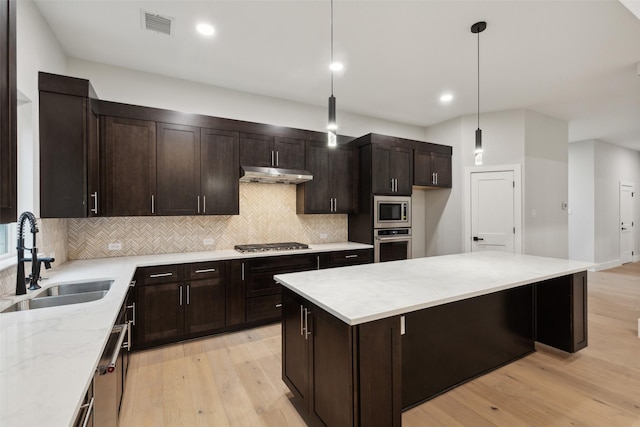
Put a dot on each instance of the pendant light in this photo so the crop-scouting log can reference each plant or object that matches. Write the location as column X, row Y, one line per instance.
column 477, row 28
column 332, row 126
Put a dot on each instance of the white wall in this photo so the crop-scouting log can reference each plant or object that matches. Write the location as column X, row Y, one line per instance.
column 37, row 50
column 581, row 201
column 152, row 90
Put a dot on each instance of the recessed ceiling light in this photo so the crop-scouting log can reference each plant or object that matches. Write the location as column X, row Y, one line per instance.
column 336, row 66
column 447, row 97
column 205, row 29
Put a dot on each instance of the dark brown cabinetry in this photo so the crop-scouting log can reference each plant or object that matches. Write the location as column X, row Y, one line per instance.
column 431, row 169
column 128, row 167
column 69, row 165
column 391, row 169
column 334, row 369
column 331, row 190
column 197, row 171
column 8, row 112
column 269, row 151
column 346, row 258
column 179, row 302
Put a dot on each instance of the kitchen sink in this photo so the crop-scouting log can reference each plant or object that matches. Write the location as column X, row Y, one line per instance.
column 76, row 288
column 70, row 293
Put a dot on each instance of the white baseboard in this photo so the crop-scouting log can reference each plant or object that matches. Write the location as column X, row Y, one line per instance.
column 607, row 265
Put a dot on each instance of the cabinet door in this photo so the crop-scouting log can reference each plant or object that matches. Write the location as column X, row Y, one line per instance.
column 380, row 173
column 219, row 164
column 295, row 346
column 316, row 194
column 401, row 169
column 256, row 150
column 289, row 153
column 204, row 301
column 340, row 174
column 160, row 316
column 63, row 155
column 178, row 169
column 129, row 167
column 422, row 172
column 93, row 161
column 8, row 106
column 441, row 164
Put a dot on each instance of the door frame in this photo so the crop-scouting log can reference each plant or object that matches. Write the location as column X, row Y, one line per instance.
column 633, row 214
column 517, row 202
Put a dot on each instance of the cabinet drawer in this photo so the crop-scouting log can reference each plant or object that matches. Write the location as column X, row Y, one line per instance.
column 264, row 308
column 158, row 274
column 204, row 270
column 353, row 257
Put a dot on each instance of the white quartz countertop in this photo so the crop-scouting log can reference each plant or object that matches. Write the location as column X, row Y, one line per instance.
column 48, row 356
column 369, row 292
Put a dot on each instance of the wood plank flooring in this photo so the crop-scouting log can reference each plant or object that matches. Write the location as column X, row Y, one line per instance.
column 235, row 380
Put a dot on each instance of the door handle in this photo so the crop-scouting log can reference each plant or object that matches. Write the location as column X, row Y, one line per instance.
column 477, row 239
column 624, row 228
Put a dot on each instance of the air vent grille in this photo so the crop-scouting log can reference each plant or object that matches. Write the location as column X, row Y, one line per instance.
column 157, row 23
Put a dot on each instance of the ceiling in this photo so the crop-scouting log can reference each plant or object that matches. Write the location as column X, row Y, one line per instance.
column 574, row 60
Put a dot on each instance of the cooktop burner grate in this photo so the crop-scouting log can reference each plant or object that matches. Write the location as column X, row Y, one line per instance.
column 266, row 247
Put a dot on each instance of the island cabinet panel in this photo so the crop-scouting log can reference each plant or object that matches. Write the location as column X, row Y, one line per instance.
column 128, row 165
column 431, row 169
column 178, row 169
column 331, row 190
column 341, row 375
column 561, row 312
column 449, row 344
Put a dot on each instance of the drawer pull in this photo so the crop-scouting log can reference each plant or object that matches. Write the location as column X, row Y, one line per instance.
column 153, row 276
column 351, row 256
column 278, row 305
column 206, row 270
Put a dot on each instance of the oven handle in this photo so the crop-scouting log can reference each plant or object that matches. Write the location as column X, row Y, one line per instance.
column 394, row 239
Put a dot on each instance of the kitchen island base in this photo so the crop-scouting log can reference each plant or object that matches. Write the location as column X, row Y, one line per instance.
column 367, row 374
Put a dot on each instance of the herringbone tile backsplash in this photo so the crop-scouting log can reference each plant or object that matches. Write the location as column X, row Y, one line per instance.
column 267, row 214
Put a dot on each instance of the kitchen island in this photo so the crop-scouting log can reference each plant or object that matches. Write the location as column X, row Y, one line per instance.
column 362, row 343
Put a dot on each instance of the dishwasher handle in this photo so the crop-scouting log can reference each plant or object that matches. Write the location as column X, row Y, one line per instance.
column 124, row 329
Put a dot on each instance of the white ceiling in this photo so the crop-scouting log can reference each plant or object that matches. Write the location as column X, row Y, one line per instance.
column 571, row 59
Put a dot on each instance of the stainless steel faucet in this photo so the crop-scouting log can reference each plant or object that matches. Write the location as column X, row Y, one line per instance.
column 21, row 280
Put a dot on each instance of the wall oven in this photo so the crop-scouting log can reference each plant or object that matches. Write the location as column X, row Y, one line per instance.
column 391, row 244
column 391, row 211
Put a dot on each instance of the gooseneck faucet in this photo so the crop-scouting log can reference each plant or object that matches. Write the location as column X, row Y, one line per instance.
column 21, row 280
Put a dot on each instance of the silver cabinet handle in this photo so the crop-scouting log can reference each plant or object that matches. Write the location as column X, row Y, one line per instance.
column 272, row 162
column 243, row 271
column 153, row 276
column 180, row 294
column 306, row 324
column 198, row 204
column 133, row 312
column 127, row 345
column 301, row 320
column 392, row 185
column 132, row 284
column 206, row 270
column 433, row 178
column 188, row 294
column 351, row 256
column 278, row 305
column 317, row 262
column 277, row 158
column 335, row 204
column 95, row 202
column 114, row 357
column 436, row 178
column 153, row 204
column 204, row 204
column 87, row 416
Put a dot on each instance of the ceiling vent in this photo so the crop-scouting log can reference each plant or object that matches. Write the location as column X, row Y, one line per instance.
column 157, row 23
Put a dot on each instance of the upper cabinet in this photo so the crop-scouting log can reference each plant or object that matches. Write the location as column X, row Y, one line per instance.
column 391, row 170
column 431, row 169
column 8, row 110
column 129, row 167
column 69, row 170
column 219, row 159
column 331, row 190
column 270, row 151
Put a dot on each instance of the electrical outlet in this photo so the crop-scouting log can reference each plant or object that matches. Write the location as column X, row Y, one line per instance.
column 207, row 242
column 323, row 235
column 115, row 246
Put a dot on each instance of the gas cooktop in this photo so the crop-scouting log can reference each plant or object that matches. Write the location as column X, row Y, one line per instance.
column 266, row 247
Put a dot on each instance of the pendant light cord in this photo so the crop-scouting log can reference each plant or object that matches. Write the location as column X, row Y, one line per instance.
column 331, row 63
column 478, row 80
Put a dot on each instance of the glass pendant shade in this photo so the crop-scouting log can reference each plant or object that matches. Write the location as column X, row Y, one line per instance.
column 332, row 126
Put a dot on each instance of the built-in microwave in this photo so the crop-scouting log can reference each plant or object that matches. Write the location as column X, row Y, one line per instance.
column 391, row 211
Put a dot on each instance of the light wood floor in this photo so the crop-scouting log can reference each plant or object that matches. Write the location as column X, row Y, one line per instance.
column 234, row 379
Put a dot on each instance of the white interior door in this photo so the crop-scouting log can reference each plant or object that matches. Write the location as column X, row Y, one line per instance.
column 626, row 223
column 492, row 211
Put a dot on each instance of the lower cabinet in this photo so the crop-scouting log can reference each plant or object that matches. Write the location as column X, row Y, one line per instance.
column 346, row 258
column 182, row 302
column 333, row 369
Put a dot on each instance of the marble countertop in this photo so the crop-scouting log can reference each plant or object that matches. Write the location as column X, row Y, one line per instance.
column 48, row 356
column 370, row 292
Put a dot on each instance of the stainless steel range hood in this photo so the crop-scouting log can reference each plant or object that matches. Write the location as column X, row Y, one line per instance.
column 274, row 175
